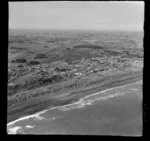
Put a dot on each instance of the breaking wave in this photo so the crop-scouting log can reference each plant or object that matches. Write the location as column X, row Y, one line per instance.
column 87, row 100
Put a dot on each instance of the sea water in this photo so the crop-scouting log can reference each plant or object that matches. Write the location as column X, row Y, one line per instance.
column 116, row 111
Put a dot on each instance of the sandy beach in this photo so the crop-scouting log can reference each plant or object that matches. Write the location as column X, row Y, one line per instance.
column 108, row 101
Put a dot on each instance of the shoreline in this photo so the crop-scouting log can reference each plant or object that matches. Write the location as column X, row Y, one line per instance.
column 37, row 114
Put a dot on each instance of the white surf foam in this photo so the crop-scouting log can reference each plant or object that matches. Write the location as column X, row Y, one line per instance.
column 30, row 126
column 14, row 130
column 36, row 115
column 134, row 89
column 84, row 103
column 138, row 82
column 78, row 104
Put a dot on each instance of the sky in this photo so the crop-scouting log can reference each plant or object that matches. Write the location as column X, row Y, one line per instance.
column 80, row 15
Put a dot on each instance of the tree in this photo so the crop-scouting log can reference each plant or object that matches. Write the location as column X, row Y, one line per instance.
column 38, row 56
column 33, row 62
column 19, row 60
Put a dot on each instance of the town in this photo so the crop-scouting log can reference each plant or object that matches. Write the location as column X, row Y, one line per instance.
column 31, row 75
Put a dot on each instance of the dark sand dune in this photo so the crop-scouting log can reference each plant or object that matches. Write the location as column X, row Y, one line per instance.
column 23, row 110
column 119, row 115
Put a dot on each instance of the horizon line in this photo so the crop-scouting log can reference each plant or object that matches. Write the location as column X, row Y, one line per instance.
column 63, row 29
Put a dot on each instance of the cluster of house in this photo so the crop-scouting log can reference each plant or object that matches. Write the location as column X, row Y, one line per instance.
column 78, row 69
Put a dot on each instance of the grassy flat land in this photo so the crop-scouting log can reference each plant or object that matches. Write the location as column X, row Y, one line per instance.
column 52, row 68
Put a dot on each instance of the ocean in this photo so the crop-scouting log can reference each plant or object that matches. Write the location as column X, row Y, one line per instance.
column 116, row 111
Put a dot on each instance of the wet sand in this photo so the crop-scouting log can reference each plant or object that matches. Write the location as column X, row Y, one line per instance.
column 117, row 115
column 24, row 109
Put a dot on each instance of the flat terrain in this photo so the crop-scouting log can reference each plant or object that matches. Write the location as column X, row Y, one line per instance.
column 54, row 68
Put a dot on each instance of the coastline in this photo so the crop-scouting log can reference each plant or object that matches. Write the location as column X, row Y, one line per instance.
column 72, row 99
